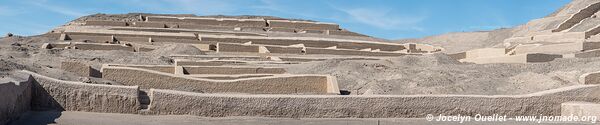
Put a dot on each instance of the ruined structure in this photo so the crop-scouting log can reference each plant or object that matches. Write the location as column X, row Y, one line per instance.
column 242, row 67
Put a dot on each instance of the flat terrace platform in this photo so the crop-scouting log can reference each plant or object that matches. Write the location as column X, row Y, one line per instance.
column 89, row 118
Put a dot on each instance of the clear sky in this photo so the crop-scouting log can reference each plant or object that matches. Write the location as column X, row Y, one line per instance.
column 390, row 19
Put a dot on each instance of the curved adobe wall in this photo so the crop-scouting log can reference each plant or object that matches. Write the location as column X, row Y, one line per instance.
column 168, row 102
column 307, row 84
column 53, row 94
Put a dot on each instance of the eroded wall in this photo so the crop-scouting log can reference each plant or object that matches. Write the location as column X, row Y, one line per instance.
column 309, row 84
column 349, row 52
column 376, row 106
column 231, row 70
column 53, row 94
column 78, row 68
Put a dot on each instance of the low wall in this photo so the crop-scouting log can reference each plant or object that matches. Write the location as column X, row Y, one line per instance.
column 227, row 47
column 230, row 77
column 358, row 46
column 176, row 30
column 61, row 45
column 300, row 59
column 211, row 21
column 280, row 29
column 104, row 23
column 349, row 52
column 53, row 94
column 561, row 37
column 133, row 39
column 220, row 57
column 79, row 68
column 251, row 29
column 90, row 46
column 502, row 59
column 184, row 62
column 313, row 31
column 175, row 40
column 96, row 46
column 458, row 56
column 560, row 48
column 204, row 27
column 537, row 57
column 548, row 103
column 99, row 39
column 588, row 54
column 163, row 19
column 150, row 24
column 591, row 32
column 521, row 58
column 578, row 17
column 160, row 68
column 590, row 78
column 303, row 25
column 15, row 97
column 123, row 33
column 244, row 22
column 345, row 33
column 306, row 84
column 231, row 70
column 285, row 49
column 486, row 52
column 206, row 62
column 514, row 40
column 591, row 45
column 202, row 21
column 306, row 41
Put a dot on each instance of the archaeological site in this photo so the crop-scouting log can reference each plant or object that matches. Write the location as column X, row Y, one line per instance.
column 144, row 68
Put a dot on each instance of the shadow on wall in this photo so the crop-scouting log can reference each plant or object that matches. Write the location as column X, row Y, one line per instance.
column 344, row 92
column 45, row 109
column 42, row 109
column 95, row 73
column 41, row 100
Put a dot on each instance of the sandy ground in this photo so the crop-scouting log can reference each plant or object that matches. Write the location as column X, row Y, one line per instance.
column 464, row 41
column 438, row 74
column 87, row 118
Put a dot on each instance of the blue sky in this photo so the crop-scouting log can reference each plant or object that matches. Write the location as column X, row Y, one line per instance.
column 390, row 19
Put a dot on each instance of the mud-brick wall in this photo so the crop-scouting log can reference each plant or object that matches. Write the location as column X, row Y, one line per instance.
column 306, row 84
column 283, row 49
column 80, row 69
column 53, row 94
column 349, row 52
column 231, row 70
column 168, row 102
column 105, row 23
column 224, row 47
